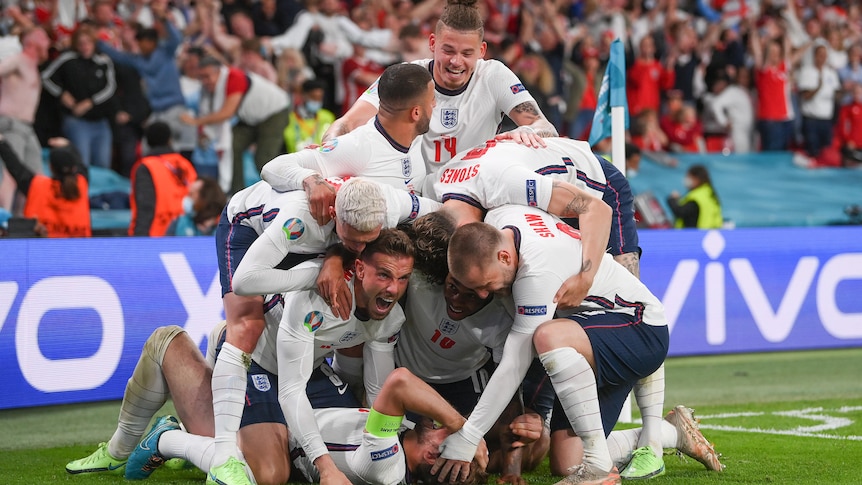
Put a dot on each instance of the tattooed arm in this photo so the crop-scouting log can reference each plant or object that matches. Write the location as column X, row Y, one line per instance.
column 631, row 262
column 532, row 125
column 595, row 222
column 321, row 196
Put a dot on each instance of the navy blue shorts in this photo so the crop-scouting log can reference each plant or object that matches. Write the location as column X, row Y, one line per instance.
column 232, row 241
column 537, row 392
column 261, row 398
column 617, row 194
column 625, row 350
column 326, row 390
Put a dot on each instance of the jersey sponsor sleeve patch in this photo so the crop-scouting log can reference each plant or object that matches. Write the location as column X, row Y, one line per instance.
column 517, row 88
column 532, row 310
column 384, row 454
column 328, row 145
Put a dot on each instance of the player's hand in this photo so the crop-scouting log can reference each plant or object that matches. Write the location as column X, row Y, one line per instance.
column 333, row 476
column 333, row 288
column 188, row 119
column 456, row 470
column 482, row 456
column 321, row 196
column 527, row 428
column 513, row 479
column 523, row 135
column 573, row 291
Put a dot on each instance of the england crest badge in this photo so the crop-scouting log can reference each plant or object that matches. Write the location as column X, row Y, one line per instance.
column 449, row 117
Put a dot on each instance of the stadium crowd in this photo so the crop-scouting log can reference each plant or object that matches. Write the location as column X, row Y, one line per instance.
column 728, row 76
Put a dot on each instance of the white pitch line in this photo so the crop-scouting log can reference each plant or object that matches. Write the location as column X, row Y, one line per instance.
column 828, row 422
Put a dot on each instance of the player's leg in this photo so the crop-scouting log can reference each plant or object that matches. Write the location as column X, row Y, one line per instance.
column 146, row 392
column 567, row 355
column 245, row 322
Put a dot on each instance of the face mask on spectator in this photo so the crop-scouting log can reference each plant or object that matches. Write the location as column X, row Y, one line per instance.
column 189, row 206
column 313, row 106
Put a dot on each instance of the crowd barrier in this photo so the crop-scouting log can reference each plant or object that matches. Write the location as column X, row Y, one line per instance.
column 75, row 313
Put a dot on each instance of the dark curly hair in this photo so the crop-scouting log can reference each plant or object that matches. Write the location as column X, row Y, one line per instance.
column 430, row 234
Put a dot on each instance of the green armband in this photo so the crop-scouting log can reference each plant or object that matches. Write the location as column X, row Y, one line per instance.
column 381, row 425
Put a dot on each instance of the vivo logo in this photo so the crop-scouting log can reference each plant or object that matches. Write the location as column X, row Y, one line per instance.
column 774, row 322
column 58, row 293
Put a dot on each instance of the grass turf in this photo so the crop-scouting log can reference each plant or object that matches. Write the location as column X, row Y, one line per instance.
column 800, row 422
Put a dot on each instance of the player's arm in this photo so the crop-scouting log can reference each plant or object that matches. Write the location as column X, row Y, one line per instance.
column 594, row 217
column 226, row 112
column 378, row 362
column 459, row 448
column 532, row 124
column 356, row 116
column 257, row 273
column 287, row 172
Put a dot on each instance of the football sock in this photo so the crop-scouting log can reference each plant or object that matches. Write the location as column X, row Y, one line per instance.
column 621, row 443
column 575, row 384
column 228, row 386
column 199, row 450
column 649, row 394
column 146, row 392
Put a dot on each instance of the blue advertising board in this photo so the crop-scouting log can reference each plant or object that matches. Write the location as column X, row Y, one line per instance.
column 74, row 313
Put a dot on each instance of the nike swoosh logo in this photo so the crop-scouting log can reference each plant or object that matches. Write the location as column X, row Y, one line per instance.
column 342, row 390
column 114, row 467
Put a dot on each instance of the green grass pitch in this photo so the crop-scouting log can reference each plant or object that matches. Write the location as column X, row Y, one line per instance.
column 777, row 418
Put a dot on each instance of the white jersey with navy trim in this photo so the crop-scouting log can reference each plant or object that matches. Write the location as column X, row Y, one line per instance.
column 368, row 151
column 382, row 460
column 465, row 117
column 441, row 350
column 549, row 252
column 496, row 173
column 307, row 333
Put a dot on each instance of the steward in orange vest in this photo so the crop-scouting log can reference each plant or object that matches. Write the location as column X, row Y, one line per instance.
column 159, row 183
column 59, row 202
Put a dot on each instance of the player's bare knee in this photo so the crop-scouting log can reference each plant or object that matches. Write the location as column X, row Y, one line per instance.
column 544, row 338
column 158, row 342
column 245, row 331
column 272, row 472
column 399, row 378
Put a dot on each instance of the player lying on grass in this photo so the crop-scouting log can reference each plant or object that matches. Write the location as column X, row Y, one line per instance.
column 368, row 445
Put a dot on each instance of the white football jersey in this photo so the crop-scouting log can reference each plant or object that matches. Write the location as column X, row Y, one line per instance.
column 465, row 117
column 343, row 430
column 438, row 349
column 307, row 333
column 368, row 151
column 496, row 173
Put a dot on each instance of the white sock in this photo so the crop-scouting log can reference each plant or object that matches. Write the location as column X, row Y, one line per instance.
column 228, row 386
column 575, row 384
column 622, row 442
column 199, row 450
column 146, row 392
column 649, row 395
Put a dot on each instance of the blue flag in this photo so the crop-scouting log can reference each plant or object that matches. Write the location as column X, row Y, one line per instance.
column 611, row 94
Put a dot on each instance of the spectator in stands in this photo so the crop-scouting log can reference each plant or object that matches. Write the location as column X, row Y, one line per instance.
column 109, row 26
column 128, row 124
column 358, row 72
column 849, row 130
column 201, row 209
column 327, row 36
column 19, row 97
column 685, row 132
column 414, row 43
column 772, row 65
column 647, row 78
column 85, row 84
column 156, row 63
column 160, row 181
column 699, row 207
column 58, row 202
column 851, row 74
column 687, row 61
column 731, row 108
column 309, row 120
column 586, row 83
column 272, row 17
column 261, row 107
column 647, row 133
column 537, row 76
column 818, row 85
column 251, row 59
column 292, row 70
